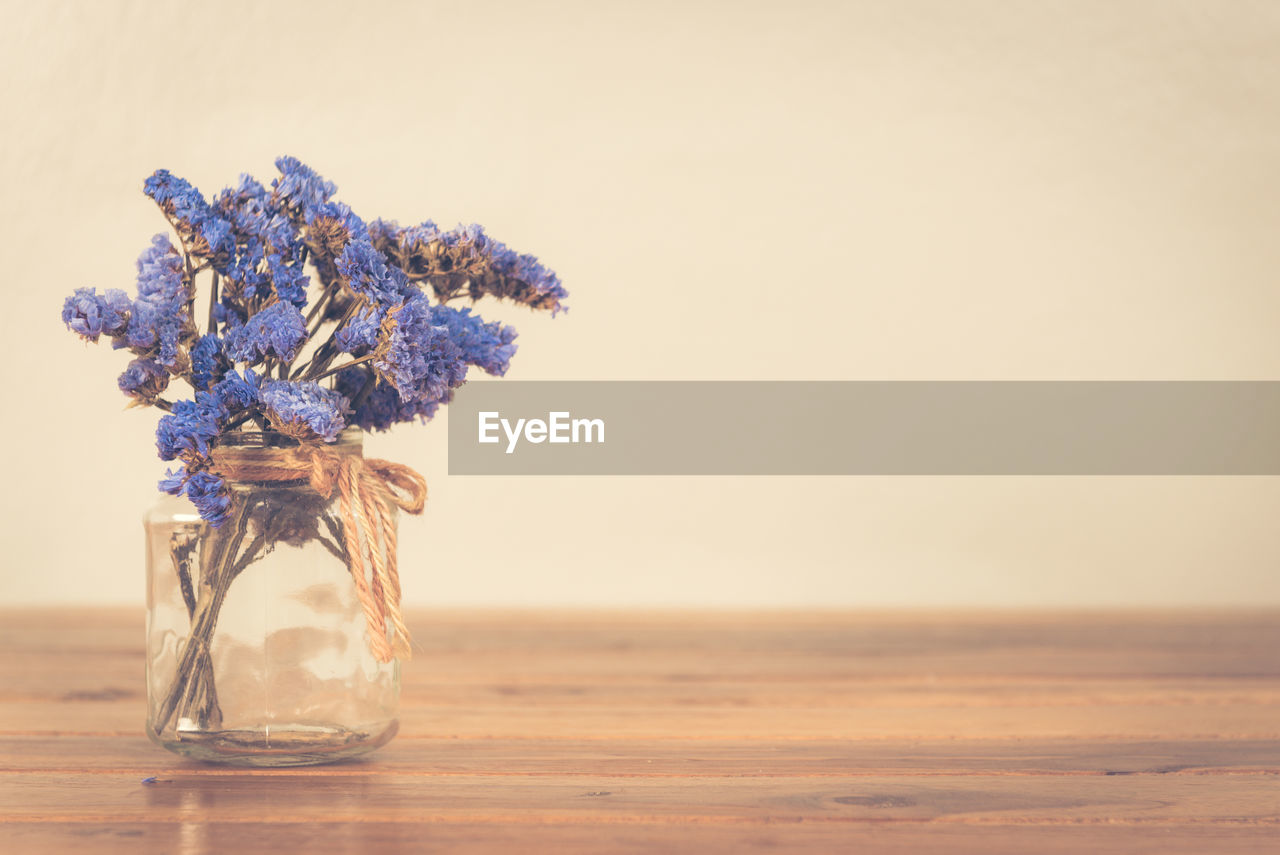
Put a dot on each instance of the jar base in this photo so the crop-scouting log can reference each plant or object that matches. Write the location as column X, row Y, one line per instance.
column 293, row 745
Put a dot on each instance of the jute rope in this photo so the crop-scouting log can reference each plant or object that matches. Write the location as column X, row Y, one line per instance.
column 367, row 489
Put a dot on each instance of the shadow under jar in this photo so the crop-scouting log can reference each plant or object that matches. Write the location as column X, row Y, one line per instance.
column 256, row 639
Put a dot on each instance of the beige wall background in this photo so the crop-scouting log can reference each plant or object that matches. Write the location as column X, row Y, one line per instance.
column 854, row 190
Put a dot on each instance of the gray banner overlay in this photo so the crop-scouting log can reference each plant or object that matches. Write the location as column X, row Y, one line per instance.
column 865, row 428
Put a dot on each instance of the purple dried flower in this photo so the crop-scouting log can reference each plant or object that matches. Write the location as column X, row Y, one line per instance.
column 299, row 188
column 359, row 335
column 172, row 481
column 160, row 274
column 269, row 248
column 304, row 410
column 467, row 261
column 488, row 346
column 417, row 357
column 159, row 318
column 144, row 380
column 253, row 214
column 257, row 241
column 189, row 431
column 89, row 315
column 207, row 362
column 384, row 233
column 278, row 330
column 244, row 276
column 369, row 275
column 288, row 279
column 333, row 225
column 520, row 278
column 235, row 393
column 207, row 234
column 210, row 495
column 383, row 407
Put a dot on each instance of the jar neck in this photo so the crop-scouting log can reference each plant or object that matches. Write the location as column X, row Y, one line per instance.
column 349, row 441
column 261, row 458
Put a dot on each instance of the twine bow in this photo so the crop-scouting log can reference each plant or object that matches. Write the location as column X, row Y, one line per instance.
column 367, row 489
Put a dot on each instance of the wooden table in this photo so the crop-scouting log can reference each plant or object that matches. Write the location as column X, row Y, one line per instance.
column 591, row 732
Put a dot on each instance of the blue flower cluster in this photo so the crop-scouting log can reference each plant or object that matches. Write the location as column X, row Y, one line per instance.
column 155, row 324
column 144, row 379
column 359, row 335
column 268, row 258
column 304, row 410
column 237, row 394
column 89, row 314
column 466, row 258
column 208, row 362
column 299, row 187
column 188, row 432
column 382, row 407
column 488, row 346
column 418, row 357
column 207, row 234
column 367, row 273
column 160, row 317
column 317, row 320
column 277, row 330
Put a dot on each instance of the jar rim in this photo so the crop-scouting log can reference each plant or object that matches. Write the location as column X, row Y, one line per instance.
column 349, row 437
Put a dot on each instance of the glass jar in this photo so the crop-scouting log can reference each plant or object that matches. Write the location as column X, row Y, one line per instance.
column 256, row 640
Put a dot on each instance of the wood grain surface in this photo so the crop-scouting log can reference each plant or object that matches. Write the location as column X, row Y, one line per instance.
column 709, row 732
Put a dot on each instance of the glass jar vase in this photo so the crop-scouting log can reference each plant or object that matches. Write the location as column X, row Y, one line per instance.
column 256, row 638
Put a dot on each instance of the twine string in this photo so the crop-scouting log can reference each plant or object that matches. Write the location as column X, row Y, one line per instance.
column 367, row 489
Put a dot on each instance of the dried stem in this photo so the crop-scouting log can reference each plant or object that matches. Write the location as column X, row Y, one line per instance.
column 326, row 352
column 195, row 666
column 181, row 547
column 213, row 303
column 343, row 367
column 319, row 307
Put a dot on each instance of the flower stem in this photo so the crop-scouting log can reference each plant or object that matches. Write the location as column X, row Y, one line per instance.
column 195, row 665
column 319, row 307
column 326, row 352
column 213, row 303
column 344, row 366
